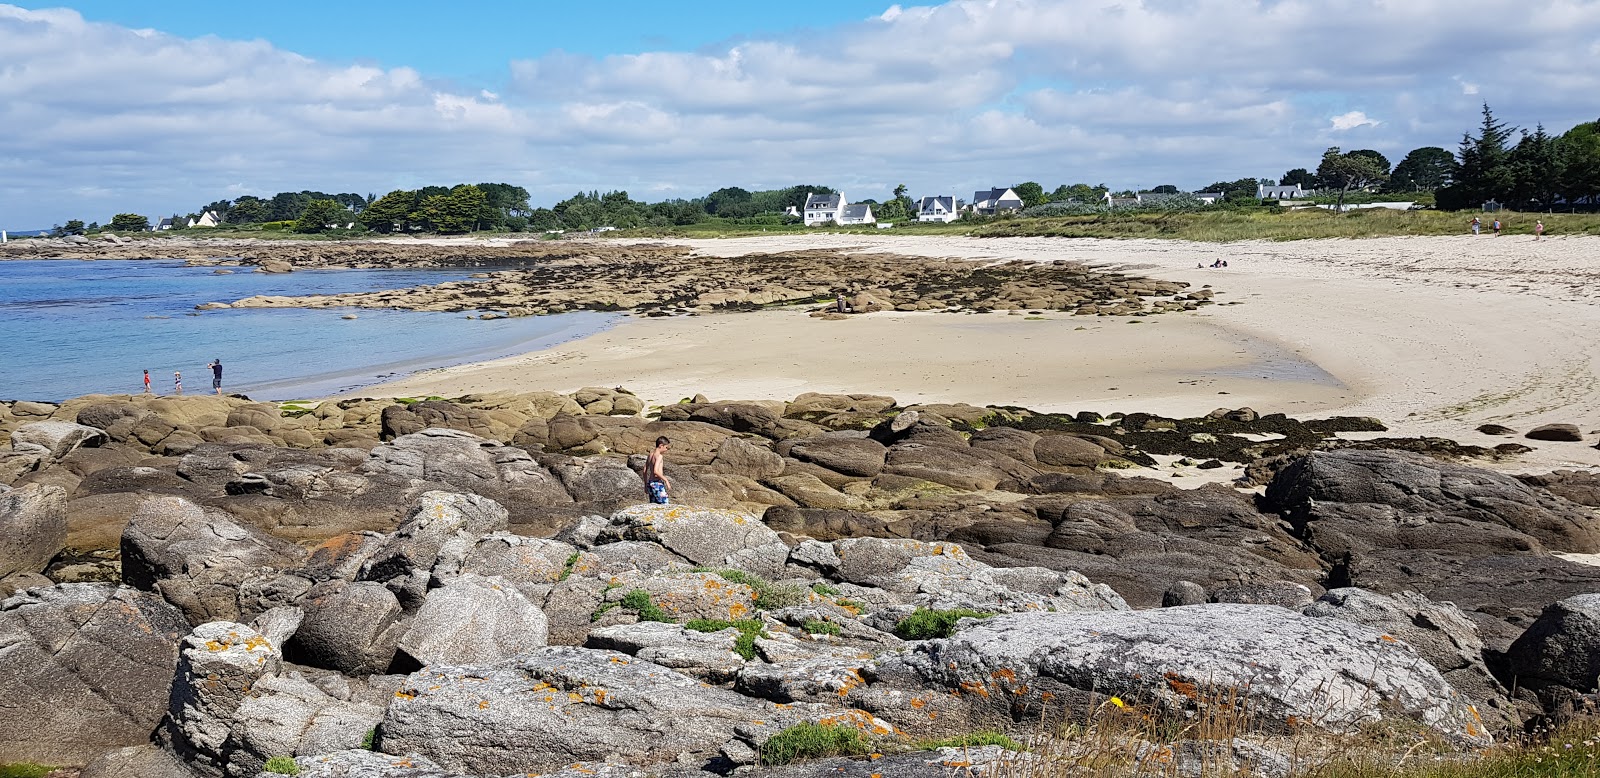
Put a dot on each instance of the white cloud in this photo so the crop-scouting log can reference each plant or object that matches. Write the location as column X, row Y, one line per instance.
column 948, row 97
column 1352, row 120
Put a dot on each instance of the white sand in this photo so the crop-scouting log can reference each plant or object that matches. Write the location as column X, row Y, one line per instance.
column 1433, row 335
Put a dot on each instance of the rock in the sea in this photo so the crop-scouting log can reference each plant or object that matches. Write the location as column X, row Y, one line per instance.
column 1563, row 645
column 83, row 668
column 557, row 705
column 1291, row 670
column 474, row 620
column 33, row 528
column 1562, row 433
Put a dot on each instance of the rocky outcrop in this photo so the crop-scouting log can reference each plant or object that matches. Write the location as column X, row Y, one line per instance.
column 33, row 528
column 1290, row 670
column 474, row 620
column 1562, row 647
column 83, row 668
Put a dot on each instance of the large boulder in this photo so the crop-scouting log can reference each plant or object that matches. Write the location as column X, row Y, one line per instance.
column 58, row 437
column 406, row 560
column 474, row 620
column 1290, row 670
column 842, row 453
column 33, row 528
column 557, row 705
column 362, row 763
column 202, row 561
column 1562, row 647
column 145, row 761
column 703, row 536
column 83, row 668
column 350, row 627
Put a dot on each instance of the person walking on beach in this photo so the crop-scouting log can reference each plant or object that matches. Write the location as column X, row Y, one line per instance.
column 1477, row 224
column 1496, row 227
column 216, row 375
column 655, row 478
column 1538, row 230
column 147, row 382
column 177, row 382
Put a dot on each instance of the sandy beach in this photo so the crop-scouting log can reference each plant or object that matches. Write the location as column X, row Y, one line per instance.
column 1433, row 335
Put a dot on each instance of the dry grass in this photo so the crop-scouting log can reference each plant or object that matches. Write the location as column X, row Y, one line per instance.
column 1221, row 226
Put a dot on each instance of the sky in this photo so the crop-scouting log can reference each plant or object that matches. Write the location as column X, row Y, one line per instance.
column 162, row 107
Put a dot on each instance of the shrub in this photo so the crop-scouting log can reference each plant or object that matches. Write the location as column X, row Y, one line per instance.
column 811, row 741
column 824, row 590
column 927, row 624
column 987, row 737
column 638, row 600
column 820, row 627
column 24, row 770
column 282, row 765
column 769, row 595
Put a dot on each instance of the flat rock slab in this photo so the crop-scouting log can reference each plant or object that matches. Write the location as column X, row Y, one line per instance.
column 1292, row 670
column 704, row 536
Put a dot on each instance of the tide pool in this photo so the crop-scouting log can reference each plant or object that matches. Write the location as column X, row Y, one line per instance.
column 70, row 328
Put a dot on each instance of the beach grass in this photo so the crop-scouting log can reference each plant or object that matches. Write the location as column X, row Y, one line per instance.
column 1236, row 224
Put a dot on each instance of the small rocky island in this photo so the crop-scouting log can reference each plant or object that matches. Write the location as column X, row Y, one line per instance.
column 209, row 586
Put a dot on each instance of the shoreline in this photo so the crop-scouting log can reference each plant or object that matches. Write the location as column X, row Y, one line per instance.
column 1414, row 331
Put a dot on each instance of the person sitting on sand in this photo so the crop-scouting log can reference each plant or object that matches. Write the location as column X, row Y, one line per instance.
column 655, row 477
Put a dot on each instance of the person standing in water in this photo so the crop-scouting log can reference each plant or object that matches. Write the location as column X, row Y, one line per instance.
column 147, row 382
column 655, row 478
column 216, row 375
column 177, row 382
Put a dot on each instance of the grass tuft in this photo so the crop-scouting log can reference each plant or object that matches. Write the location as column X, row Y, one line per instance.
column 25, row 770
column 820, row 627
column 749, row 630
column 987, row 737
column 566, row 569
column 769, row 595
column 927, row 624
column 824, row 590
column 638, row 601
column 282, row 765
column 812, row 741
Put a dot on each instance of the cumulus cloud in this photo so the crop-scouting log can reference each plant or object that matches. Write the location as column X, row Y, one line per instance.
column 1352, row 120
column 947, row 97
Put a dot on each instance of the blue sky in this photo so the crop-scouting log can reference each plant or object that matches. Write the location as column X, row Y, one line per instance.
column 163, row 107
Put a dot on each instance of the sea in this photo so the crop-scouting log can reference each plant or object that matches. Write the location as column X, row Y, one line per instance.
column 75, row 327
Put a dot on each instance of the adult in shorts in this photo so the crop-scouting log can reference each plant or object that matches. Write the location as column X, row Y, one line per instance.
column 216, row 375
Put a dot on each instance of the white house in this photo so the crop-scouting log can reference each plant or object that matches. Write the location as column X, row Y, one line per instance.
column 164, row 224
column 1265, row 192
column 824, row 208
column 989, row 202
column 207, row 219
column 939, row 208
column 860, row 213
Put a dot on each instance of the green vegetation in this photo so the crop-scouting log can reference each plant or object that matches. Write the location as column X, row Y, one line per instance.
column 987, row 737
column 819, row 627
column 566, row 569
column 812, row 741
column 369, row 741
column 824, row 590
column 24, row 770
column 638, row 600
column 927, row 624
column 851, row 604
column 1270, row 223
column 282, row 765
column 749, row 630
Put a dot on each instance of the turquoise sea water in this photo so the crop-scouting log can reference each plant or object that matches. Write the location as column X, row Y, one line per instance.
column 69, row 328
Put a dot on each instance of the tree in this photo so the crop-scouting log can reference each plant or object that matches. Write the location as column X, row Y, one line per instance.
column 1241, row 191
column 730, row 202
column 72, row 227
column 1031, row 193
column 320, row 215
column 1579, row 149
column 1483, row 171
column 129, row 222
column 1349, row 171
column 1535, row 170
column 1164, row 189
column 1423, row 170
column 1082, row 193
column 248, row 209
column 390, row 213
column 456, row 211
column 1383, row 162
column 1299, row 176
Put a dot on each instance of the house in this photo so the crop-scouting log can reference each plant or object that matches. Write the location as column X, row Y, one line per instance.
column 164, row 224
column 1209, row 198
column 939, row 208
column 993, row 201
column 792, row 211
column 1113, row 201
column 207, row 219
column 1265, row 192
column 857, row 214
column 824, row 208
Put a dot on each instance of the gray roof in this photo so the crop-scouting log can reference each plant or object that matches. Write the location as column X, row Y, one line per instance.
column 822, row 201
column 927, row 203
column 1216, row 195
column 857, row 211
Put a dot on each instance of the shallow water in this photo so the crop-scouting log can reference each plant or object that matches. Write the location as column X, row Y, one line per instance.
column 69, row 328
